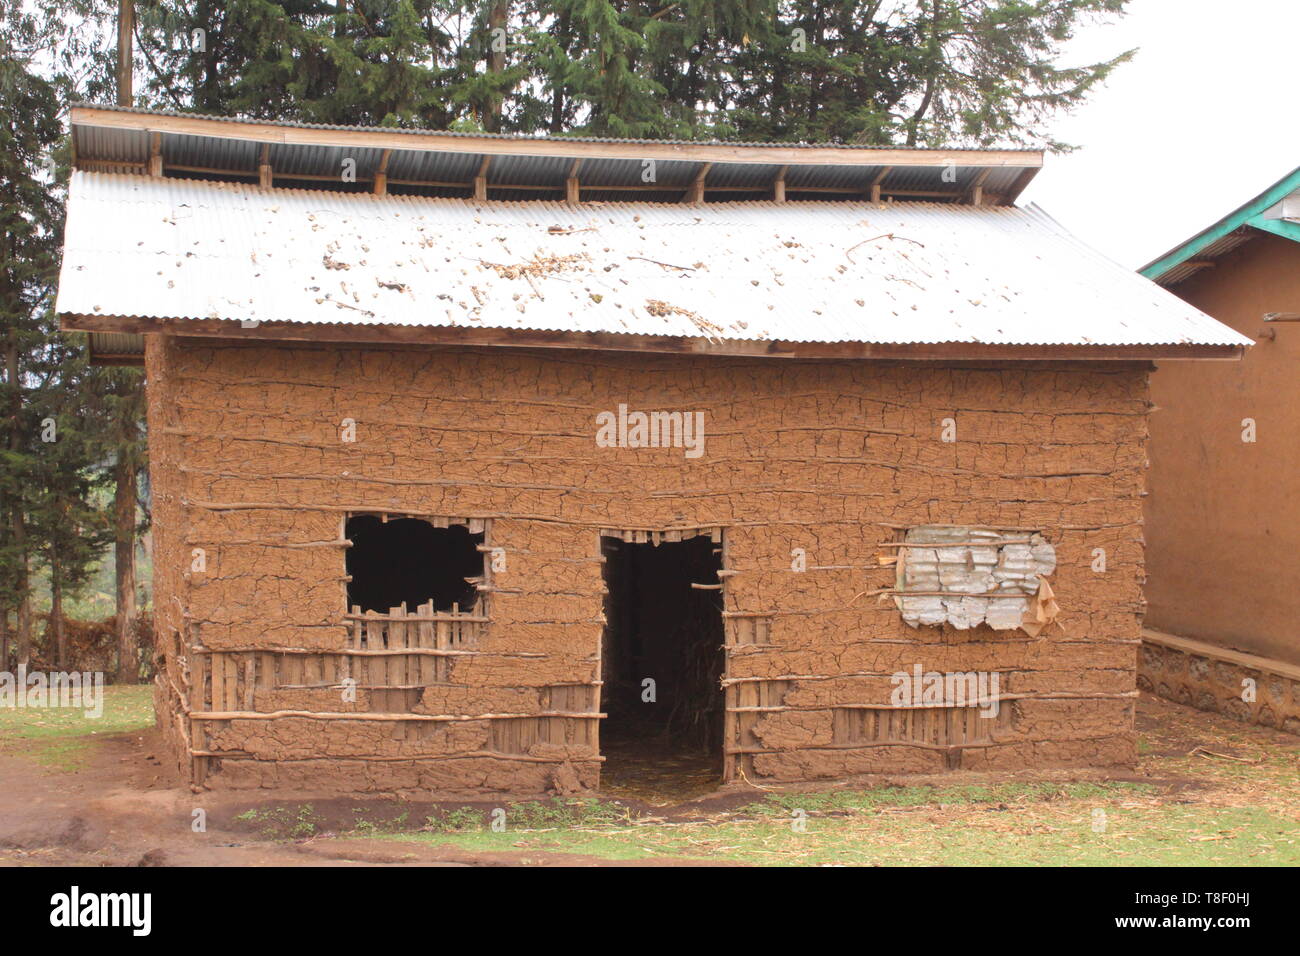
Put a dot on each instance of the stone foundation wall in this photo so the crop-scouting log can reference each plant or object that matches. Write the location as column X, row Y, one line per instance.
column 1223, row 681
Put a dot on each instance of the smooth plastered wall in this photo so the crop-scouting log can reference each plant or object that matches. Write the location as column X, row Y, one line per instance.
column 1223, row 516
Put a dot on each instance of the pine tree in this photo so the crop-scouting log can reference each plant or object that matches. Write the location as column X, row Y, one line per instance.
column 30, row 217
column 924, row 72
column 118, row 417
column 68, row 528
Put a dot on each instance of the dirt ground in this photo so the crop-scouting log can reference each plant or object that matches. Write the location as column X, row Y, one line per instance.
column 122, row 808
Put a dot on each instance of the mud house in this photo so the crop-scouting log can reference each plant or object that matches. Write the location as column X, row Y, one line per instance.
column 484, row 463
column 1225, row 479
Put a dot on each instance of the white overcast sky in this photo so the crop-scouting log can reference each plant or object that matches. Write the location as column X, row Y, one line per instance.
column 1202, row 119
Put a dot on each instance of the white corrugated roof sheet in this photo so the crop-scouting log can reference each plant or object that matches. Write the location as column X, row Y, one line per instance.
column 797, row 272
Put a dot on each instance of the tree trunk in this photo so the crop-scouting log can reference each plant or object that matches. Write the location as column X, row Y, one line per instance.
column 498, row 17
column 125, row 26
column 24, row 623
column 18, row 526
column 56, row 617
column 4, row 638
column 124, row 501
column 557, row 95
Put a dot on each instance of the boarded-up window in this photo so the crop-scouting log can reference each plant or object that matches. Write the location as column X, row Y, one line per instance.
column 970, row 576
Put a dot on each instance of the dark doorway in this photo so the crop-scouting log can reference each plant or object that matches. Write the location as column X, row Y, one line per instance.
column 661, row 629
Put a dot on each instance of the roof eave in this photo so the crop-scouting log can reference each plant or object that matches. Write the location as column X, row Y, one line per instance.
column 1247, row 215
column 419, row 140
column 339, row 334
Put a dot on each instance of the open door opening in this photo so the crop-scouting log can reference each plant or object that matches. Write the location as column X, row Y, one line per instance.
column 662, row 663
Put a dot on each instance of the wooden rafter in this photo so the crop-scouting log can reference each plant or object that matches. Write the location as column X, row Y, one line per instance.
column 572, row 189
column 381, row 174
column 155, row 154
column 480, row 179
column 695, row 194
column 778, row 184
column 878, row 183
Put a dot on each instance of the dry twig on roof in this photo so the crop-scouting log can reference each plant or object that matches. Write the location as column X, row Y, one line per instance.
column 660, row 308
column 666, row 265
column 848, row 253
column 537, row 266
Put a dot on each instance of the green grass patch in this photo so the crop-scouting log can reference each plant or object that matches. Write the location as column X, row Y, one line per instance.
column 283, row 823
column 60, row 737
column 833, row 801
column 1107, row 823
column 555, row 814
column 1049, row 834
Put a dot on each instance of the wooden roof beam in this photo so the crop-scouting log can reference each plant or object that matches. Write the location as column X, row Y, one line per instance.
column 155, row 154
column 878, row 182
column 778, row 185
column 976, row 195
column 264, row 173
column 381, row 174
column 572, row 188
column 480, row 179
column 695, row 194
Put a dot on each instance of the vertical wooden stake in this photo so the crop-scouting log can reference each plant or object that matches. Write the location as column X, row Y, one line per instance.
column 480, row 180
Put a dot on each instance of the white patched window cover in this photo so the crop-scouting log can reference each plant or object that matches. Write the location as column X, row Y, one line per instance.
column 970, row 576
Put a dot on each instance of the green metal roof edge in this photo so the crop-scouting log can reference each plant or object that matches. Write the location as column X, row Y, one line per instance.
column 1246, row 215
column 1279, row 227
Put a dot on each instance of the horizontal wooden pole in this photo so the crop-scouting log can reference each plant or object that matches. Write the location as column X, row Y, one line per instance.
column 370, row 715
column 417, row 617
column 871, row 745
column 358, row 652
column 981, row 702
column 391, row 758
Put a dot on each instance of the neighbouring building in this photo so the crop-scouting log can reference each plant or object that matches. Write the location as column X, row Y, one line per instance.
column 1223, row 516
column 487, row 463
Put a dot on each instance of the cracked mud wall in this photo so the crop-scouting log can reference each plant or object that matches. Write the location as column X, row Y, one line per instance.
column 834, row 458
column 171, row 651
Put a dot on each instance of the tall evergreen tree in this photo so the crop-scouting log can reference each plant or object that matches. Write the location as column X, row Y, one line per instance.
column 117, row 410
column 50, row 51
column 919, row 72
column 30, row 217
column 69, row 528
column 923, row 73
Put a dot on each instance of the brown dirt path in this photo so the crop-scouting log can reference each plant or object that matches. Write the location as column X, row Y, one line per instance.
column 122, row 810
column 123, row 807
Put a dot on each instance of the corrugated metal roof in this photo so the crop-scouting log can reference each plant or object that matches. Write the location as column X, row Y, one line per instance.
column 115, row 346
column 907, row 273
column 432, row 161
column 517, row 137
